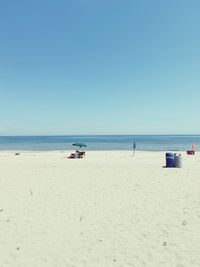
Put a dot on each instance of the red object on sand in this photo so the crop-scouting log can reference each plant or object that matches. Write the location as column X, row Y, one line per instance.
column 190, row 152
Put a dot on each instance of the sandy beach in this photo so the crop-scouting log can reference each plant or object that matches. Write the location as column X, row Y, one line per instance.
column 107, row 209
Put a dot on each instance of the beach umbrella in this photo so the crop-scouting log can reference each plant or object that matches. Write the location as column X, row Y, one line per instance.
column 134, row 148
column 79, row 144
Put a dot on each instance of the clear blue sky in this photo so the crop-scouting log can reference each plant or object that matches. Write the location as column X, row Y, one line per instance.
column 99, row 67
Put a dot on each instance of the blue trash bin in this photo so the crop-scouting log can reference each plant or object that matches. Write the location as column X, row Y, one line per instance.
column 169, row 160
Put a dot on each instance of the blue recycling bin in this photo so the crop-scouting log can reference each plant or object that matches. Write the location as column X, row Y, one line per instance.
column 169, row 160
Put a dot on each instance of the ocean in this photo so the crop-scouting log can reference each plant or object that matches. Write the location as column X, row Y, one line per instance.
column 101, row 142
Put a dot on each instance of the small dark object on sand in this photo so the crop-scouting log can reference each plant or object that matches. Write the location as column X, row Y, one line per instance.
column 31, row 192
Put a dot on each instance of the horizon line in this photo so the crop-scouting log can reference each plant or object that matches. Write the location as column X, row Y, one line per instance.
column 50, row 135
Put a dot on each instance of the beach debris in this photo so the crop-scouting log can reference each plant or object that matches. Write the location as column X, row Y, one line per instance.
column 100, row 240
column 164, row 244
column 7, row 220
column 31, row 192
column 81, row 218
column 18, row 248
column 1, row 210
column 114, row 259
column 184, row 222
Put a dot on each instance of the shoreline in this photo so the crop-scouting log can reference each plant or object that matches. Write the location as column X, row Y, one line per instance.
column 110, row 150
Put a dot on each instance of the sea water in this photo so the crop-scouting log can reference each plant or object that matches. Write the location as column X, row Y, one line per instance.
column 101, row 142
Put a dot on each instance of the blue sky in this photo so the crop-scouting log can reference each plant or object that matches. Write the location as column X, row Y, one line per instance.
column 99, row 67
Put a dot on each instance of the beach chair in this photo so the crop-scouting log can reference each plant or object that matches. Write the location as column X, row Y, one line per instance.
column 81, row 154
column 77, row 155
column 73, row 156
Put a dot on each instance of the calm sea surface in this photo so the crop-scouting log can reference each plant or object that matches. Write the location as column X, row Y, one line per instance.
column 101, row 142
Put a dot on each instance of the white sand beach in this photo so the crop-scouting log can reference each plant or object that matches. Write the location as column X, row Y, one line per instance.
column 107, row 209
